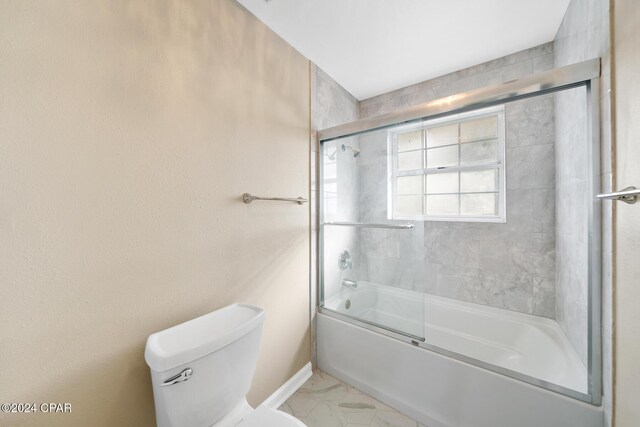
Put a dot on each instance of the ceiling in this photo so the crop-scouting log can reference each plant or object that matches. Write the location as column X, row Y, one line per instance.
column 375, row 46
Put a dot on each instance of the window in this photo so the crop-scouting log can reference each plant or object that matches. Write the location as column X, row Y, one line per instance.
column 449, row 169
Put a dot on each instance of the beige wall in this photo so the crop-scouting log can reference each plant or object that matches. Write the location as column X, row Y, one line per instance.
column 128, row 132
column 626, row 39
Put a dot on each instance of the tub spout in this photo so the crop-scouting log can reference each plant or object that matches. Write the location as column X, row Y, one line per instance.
column 349, row 283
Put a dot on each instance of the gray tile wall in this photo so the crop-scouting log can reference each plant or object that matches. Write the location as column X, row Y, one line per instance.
column 509, row 265
column 519, row 64
column 331, row 105
column 572, row 221
column 583, row 34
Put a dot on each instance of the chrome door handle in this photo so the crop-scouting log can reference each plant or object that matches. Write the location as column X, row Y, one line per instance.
column 628, row 195
column 182, row 376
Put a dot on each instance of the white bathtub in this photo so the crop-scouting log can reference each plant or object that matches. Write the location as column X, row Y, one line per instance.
column 441, row 391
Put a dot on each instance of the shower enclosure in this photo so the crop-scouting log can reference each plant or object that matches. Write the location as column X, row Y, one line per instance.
column 468, row 227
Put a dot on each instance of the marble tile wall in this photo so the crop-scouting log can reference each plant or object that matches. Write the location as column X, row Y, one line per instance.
column 583, row 34
column 331, row 105
column 509, row 265
column 519, row 64
column 572, row 221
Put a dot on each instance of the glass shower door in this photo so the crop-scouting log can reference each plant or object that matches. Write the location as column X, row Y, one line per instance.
column 368, row 270
column 475, row 234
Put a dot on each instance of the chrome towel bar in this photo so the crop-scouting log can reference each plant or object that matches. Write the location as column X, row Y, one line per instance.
column 627, row 195
column 248, row 198
column 371, row 225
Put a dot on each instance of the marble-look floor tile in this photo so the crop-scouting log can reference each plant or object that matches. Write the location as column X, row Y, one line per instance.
column 393, row 419
column 357, row 408
column 299, row 405
column 323, row 388
column 324, row 401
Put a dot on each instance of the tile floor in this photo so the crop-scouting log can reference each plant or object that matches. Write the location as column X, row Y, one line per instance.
column 324, row 401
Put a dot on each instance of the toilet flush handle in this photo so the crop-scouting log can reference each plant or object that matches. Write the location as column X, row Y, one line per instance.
column 182, row 376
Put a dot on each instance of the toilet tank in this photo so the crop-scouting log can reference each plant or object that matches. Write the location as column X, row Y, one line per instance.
column 220, row 349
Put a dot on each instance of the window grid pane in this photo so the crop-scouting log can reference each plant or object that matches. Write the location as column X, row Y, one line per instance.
column 472, row 191
column 441, row 157
column 409, row 205
column 479, row 204
column 479, row 181
column 477, row 129
column 479, row 151
column 442, row 204
column 409, row 141
column 410, row 160
column 412, row 184
column 438, row 136
column 443, row 183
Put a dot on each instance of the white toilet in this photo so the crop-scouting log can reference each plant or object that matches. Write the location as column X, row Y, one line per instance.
column 202, row 370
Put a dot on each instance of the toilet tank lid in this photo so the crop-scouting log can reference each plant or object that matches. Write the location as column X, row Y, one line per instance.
column 203, row 335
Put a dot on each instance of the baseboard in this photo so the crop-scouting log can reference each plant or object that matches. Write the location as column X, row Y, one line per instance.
column 294, row 383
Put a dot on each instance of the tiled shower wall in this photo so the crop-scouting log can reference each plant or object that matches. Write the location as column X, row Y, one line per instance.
column 583, row 34
column 519, row 64
column 331, row 105
column 334, row 106
column 507, row 265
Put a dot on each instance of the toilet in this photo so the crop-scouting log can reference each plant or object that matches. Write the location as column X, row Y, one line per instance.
column 202, row 369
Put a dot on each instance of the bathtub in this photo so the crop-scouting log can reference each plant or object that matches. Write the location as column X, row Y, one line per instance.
column 458, row 364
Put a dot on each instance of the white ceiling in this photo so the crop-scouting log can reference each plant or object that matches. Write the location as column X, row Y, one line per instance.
column 374, row 46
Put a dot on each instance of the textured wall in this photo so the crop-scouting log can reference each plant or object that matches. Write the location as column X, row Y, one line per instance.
column 583, row 34
column 509, row 265
column 129, row 131
column 626, row 39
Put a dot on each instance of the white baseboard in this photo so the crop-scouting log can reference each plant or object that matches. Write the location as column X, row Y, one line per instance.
column 283, row 393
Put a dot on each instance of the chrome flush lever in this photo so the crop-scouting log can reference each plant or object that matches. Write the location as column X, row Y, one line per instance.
column 182, row 376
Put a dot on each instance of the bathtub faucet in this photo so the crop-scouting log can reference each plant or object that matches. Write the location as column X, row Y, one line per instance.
column 349, row 283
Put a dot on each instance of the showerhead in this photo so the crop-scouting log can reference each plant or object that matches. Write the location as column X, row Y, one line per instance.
column 355, row 152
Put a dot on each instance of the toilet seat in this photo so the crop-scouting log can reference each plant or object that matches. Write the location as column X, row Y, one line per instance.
column 266, row 417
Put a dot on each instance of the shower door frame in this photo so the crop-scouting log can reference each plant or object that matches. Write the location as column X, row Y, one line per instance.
column 583, row 74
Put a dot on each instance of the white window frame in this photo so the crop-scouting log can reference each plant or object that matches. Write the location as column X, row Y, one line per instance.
column 393, row 174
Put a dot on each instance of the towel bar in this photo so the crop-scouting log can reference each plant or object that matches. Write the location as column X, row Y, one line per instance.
column 248, row 198
column 371, row 225
column 627, row 195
